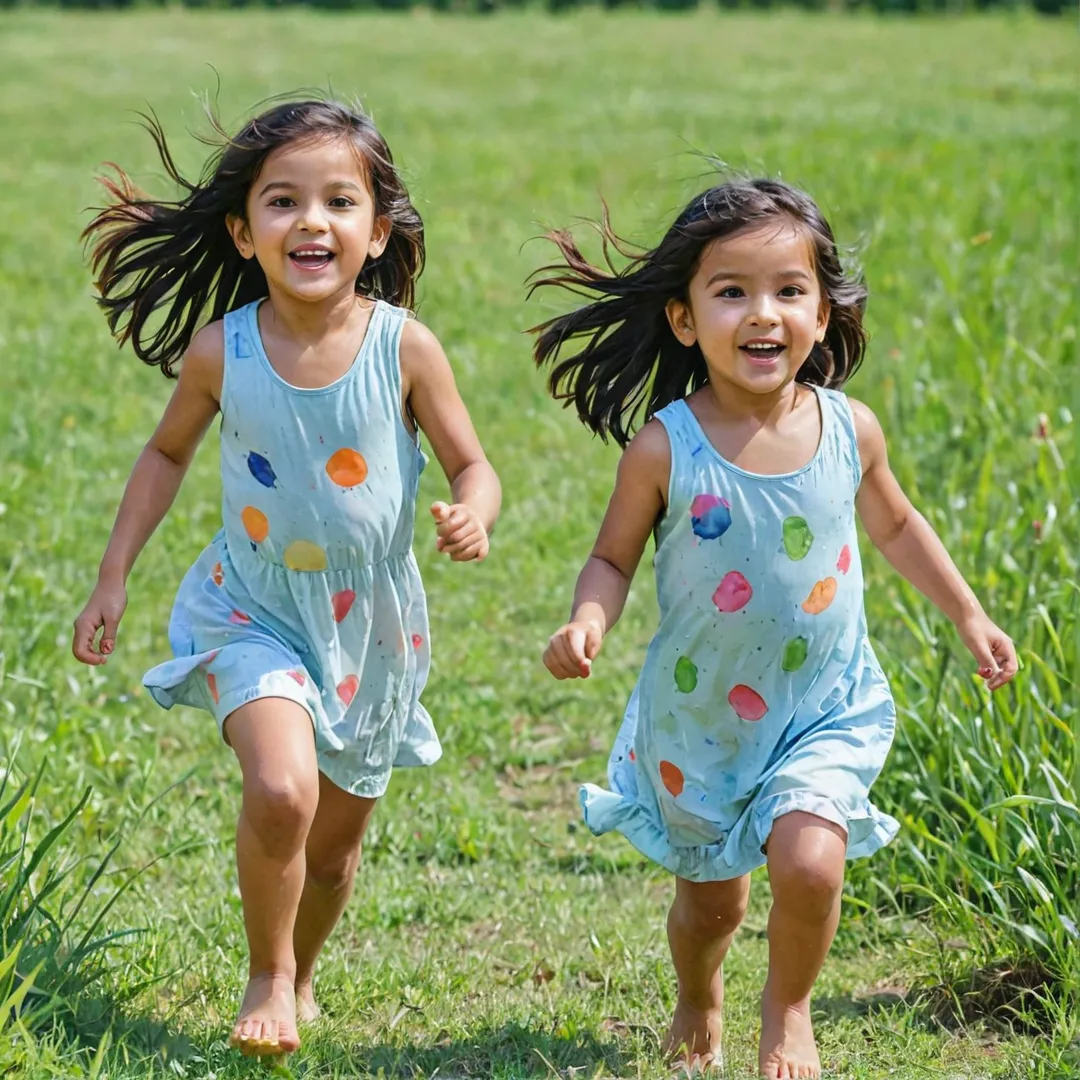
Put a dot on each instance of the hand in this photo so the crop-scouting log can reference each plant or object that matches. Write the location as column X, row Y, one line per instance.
column 103, row 611
column 992, row 648
column 461, row 534
column 572, row 649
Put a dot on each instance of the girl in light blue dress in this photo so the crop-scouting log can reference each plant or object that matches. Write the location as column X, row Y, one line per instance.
column 302, row 628
column 761, row 717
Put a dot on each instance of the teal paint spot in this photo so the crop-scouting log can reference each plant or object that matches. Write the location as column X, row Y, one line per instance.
column 798, row 539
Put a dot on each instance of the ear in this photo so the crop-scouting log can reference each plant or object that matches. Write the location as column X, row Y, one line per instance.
column 681, row 321
column 241, row 235
column 824, row 311
column 380, row 236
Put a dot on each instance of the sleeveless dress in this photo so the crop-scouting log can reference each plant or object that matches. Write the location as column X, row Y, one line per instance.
column 311, row 591
column 760, row 693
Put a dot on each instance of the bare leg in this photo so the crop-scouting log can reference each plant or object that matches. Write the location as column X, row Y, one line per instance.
column 273, row 741
column 806, row 871
column 332, row 856
column 701, row 924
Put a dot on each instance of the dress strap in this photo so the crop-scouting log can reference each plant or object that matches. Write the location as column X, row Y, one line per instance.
column 842, row 444
column 242, row 364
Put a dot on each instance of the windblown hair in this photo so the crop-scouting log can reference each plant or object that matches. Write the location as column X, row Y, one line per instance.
column 176, row 260
column 631, row 361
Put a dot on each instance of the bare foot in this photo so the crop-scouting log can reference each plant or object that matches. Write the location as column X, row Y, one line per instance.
column 693, row 1040
column 307, row 1008
column 266, row 1025
column 788, row 1050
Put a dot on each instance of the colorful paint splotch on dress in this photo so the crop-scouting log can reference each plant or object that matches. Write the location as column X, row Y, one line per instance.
column 760, row 694
column 311, row 591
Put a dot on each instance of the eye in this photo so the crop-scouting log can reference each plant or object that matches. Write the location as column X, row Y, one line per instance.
column 790, row 291
column 341, row 202
column 730, row 292
column 282, row 202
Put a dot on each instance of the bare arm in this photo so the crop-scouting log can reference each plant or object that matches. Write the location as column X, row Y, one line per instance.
column 433, row 399
column 906, row 539
column 151, row 490
column 637, row 501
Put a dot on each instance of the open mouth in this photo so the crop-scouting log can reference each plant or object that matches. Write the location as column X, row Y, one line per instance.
column 761, row 353
column 311, row 258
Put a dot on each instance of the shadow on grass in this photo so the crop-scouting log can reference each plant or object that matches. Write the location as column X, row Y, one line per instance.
column 855, row 1006
column 512, row 1050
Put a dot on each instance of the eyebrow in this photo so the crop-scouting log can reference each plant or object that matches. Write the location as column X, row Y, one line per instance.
column 285, row 185
column 731, row 275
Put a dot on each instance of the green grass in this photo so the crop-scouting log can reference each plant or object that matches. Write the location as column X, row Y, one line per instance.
column 490, row 935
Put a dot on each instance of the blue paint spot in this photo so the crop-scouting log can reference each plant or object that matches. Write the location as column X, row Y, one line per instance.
column 710, row 516
column 262, row 470
column 254, row 547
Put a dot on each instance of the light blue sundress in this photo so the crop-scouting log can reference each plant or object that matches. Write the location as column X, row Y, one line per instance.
column 760, row 694
column 311, row 591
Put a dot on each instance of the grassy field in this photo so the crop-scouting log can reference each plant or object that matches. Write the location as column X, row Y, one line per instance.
column 491, row 936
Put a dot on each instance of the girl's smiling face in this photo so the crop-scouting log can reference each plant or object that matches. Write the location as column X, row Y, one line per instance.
column 754, row 307
column 310, row 220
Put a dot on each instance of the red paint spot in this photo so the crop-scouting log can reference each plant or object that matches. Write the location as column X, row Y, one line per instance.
column 733, row 593
column 239, row 618
column 417, row 641
column 672, row 777
column 346, row 689
column 211, row 682
column 217, row 575
column 342, row 603
column 632, row 755
column 843, row 564
column 298, row 676
column 748, row 704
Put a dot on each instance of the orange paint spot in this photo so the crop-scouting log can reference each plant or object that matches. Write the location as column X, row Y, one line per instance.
column 217, row 575
column 239, row 618
column 672, row 777
column 347, row 467
column 821, row 596
column 342, row 603
column 211, row 683
column 255, row 523
column 296, row 676
column 346, row 689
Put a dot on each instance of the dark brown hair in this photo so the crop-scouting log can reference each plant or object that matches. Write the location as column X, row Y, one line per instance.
column 178, row 259
column 631, row 360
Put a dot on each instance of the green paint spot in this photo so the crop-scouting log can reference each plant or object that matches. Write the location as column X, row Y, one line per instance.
column 668, row 724
column 794, row 654
column 798, row 538
column 685, row 674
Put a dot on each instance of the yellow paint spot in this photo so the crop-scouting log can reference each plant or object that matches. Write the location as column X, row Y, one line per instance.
column 304, row 555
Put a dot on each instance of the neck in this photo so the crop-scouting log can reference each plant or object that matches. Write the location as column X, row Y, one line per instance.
column 737, row 403
column 306, row 321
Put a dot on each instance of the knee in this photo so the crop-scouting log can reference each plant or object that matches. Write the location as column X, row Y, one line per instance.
column 710, row 909
column 809, row 888
column 333, row 871
column 280, row 808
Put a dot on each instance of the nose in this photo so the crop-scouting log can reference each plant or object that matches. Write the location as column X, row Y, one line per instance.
column 312, row 218
column 763, row 311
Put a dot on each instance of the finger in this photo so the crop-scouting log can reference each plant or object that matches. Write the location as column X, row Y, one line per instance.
column 565, row 666
column 593, row 640
column 984, row 657
column 111, row 624
column 576, row 642
column 1009, row 665
column 553, row 662
column 439, row 510
column 82, row 644
column 470, row 538
column 453, row 532
column 467, row 552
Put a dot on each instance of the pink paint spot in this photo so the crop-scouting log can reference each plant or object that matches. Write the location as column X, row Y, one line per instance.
column 239, row 618
column 417, row 641
column 296, row 676
column 733, row 592
column 210, row 659
column 346, row 689
column 748, row 704
column 211, row 683
column 843, row 564
column 342, row 603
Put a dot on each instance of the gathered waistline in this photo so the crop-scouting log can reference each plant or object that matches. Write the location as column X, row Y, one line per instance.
column 241, row 552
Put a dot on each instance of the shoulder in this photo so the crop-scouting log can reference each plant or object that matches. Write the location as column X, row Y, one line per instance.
column 868, row 433
column 419, row 350
column 204, row 358
column 647, row 456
